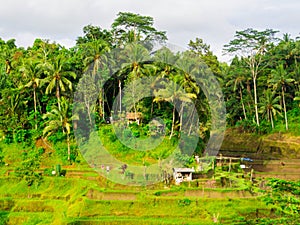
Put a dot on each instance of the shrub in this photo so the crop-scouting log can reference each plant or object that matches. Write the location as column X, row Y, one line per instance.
column 1, row 157
column 184, row 202
column 29, row 165
column 48, row 172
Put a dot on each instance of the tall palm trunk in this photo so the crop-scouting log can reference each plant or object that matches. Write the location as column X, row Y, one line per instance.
column 173, row 122
column 120, row 95
column 103, row 111
column 58, row 94
column 101, row 104
column 69, row 148
column 242, row 101
column 191, row 124
column 255, row 99
column 284, row 109
column 89, row 113
column 134, row 104
column 152, row 107
column 34, row 101
column 271, row 117
column 181, row 116
column 58, row 101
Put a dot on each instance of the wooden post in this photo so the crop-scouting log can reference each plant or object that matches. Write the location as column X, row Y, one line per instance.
column 251, row 175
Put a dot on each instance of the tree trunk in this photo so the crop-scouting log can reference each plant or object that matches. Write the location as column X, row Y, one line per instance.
column 244, row 111
column 173, row 122
column 58, row 94
column 89, row 114
column 69, row 149
column 100, row 104
column 284, row 109
column 255, row 98
column 135, row 114
column 134, row 104
column 58, row 101
column 103, row 111
column 181, row 116
column 35, row 110
column 271, row 117
column 191, row 125
column 152, row 107
column 120, row 95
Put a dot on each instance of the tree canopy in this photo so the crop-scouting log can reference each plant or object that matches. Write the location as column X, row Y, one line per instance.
column 260, row 85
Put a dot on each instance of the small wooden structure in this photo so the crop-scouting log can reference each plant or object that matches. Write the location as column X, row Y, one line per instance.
column 182, row 174
column 134, row 117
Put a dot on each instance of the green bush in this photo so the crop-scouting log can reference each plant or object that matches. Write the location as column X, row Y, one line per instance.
column 28, row 167
column 3, row 218
column 112, row 137
column 48, row 171
column 1, row 157
column 184, row 202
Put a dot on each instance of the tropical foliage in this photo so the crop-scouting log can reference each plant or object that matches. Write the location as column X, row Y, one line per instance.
column 260, row 85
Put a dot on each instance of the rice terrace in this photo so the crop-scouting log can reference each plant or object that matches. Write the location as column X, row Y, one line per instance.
column 124, row 128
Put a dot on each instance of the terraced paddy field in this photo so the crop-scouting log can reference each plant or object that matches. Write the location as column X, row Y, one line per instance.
column 81, row 201
column 84, row 197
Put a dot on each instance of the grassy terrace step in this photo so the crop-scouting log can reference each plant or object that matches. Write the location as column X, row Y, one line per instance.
column 78, row 199
column 61, row 200
column 148, row 211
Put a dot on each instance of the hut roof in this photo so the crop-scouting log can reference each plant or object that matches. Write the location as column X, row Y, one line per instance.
column 183, row 170
column 133, row 116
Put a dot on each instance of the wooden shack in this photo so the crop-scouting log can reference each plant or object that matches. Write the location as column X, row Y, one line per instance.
column 182, row 174
column 134, row 117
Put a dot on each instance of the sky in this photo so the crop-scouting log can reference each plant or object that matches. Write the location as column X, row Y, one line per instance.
column 214, row 21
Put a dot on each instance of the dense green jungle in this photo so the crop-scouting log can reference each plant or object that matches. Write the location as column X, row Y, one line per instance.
column 56, row 103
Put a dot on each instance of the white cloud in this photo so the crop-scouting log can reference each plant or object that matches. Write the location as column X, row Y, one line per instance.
column 215, row 21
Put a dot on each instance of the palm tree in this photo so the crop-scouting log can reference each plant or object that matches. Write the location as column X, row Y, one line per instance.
column 58, row 77
column 297, row 81
column 32, row 71
column 172, row 93
column 280, row 78
column 58, row 118
column 269, row 106
column 95, row 59
column 238, row 78
column 187, row 63
column 94, row 55
column 133, row 57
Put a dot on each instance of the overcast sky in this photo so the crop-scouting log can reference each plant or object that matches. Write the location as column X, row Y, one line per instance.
column 214, row 21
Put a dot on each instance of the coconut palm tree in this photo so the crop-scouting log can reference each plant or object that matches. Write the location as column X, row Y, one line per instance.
column 187, row 63
column 280, row 79
column 133, row 57
column 58, row 118
column 32, row 71
column 269, row 106
column 237, row 81
column 58, row 76
column 95, row 55
column 172, row 93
